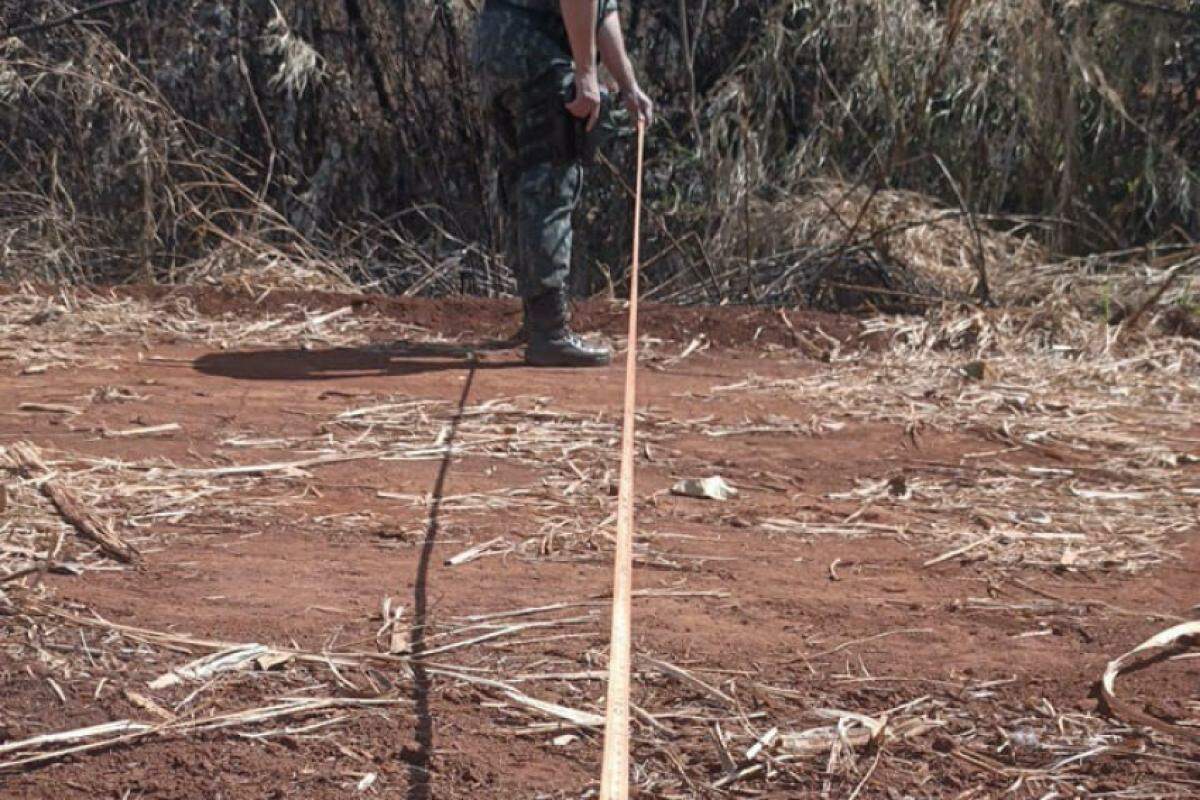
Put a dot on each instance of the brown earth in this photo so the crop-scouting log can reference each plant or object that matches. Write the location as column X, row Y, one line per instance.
column 848, row 623
column 731, row 326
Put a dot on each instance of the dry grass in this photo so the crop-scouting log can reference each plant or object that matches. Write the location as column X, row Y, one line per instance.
column 1110, row 410
column 56, row 330
column 696, row 730
column 973, row 130
column 808, row 246
column 1113, row 414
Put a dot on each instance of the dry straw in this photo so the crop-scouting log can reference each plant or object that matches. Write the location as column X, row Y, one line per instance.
column 1082, row 465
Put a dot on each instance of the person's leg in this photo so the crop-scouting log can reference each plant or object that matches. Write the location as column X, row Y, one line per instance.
column 502, row 67
column 549, row 186
column 549, row 193
column 504, row 122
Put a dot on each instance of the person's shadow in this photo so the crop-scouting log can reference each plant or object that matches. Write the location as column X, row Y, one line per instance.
column 396, row 359
column 402, row 358
column 421, row 761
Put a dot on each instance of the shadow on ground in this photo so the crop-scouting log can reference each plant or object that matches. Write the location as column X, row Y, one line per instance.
column 396, row 359
column 420, row 767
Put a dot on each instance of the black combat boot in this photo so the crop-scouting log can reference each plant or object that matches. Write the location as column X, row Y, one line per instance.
column 551, row 343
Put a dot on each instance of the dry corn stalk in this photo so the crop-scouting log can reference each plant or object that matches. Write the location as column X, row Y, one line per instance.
column 89, row 524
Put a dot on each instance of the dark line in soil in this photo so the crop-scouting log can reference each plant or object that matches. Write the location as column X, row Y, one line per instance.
column 420, row 764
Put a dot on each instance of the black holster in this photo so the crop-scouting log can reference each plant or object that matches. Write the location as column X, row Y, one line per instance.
column 578, row 143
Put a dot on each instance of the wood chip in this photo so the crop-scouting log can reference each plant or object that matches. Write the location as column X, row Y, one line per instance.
column 50, row 408
column 476, row 552
column 151, row 430
column 762, row 743
column 146, row 704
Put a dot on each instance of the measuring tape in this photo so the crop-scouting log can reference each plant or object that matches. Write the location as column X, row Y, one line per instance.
column 614, row 776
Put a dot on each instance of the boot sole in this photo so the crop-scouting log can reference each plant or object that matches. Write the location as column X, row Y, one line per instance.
column 567, row 363
column 538, row 356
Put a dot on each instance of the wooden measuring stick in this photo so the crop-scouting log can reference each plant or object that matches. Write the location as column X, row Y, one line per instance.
column 614, row 776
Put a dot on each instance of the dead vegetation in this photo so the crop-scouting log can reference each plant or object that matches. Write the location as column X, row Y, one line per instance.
column 1111, row 411
column 1002, row 170
column 1087, row 475
column 848, row 156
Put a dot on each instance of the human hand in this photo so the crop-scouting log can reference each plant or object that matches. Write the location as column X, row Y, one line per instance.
column 640, row 105
column 586, row 104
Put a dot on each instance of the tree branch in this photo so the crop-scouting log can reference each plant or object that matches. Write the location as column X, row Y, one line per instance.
column 40, row 27
column 1154, row 8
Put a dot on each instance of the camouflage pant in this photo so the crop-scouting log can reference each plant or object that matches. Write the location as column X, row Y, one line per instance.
column 523, row 73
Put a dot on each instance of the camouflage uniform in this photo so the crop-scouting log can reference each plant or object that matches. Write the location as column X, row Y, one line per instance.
column 523, row 59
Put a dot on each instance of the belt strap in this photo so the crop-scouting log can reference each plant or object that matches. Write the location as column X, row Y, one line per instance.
column 550, row 22
column 542, row 14
column 531, row 5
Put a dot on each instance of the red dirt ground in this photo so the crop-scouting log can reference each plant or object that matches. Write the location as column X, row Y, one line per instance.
column 287, row 580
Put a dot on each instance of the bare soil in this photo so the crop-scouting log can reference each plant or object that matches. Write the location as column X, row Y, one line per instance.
column 784, row 624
